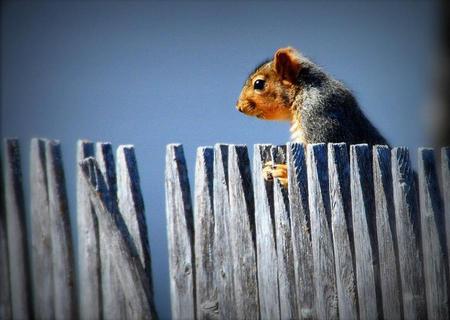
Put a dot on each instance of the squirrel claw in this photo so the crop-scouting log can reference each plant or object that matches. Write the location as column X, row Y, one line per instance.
column 279, row 171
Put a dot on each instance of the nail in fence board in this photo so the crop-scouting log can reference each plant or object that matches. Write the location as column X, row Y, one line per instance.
column 445, row 166
column 322, row 243
column 286, row 273
column 301, row 230
column 242, row 233
column 180, row 234
column 266, row 253
column 364, row 233
column 5, row 298
column 113, row 297
column 407, row 228
column 207, row 305
column 16, row 232
column 132, row 280
column 223, row 259
column 341, row 223
column 62, row 252
column 90, row 298
column 385, row 225
column 433, row 237
column 41, row 241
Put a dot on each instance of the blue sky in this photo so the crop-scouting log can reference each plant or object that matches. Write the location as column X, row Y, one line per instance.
column 152, row 73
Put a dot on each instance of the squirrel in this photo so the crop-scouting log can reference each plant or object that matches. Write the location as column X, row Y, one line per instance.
column 289, row 87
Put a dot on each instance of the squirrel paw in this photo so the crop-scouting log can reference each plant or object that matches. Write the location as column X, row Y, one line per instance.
column 278, row 171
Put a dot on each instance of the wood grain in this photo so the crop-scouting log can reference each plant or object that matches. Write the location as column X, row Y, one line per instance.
column 206, row 291
column 269, row 303
column 301, row 230
column 433, row 237
column 364, row 233
column 341, row 224
column 407, row 229
column 19, row 277
column 242, row 233
column 180, row 235
column 386, row 233
column 322, row 242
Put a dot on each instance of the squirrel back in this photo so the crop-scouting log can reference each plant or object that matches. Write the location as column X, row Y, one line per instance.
column 321, row 109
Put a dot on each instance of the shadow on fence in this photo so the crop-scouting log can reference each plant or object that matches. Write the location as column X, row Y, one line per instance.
column 114, row 257
column 354, row 236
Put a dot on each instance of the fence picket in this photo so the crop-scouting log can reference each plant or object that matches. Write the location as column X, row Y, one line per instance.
column 385, row 225
column 242, row 233
column 301, row 230
column 62, row 250
column 16, row 232
column 286, row 273
column 5, row 294
column 445, row 172
column 132, row 280
column 364, row 232
column 90, row 294
column 407, row 229
column 322, row 242
column 269, row 303
column 433, row 237
column 206, row 292
column 180, row 234
column 41, row 238
column 223, row 259
column 341, row 223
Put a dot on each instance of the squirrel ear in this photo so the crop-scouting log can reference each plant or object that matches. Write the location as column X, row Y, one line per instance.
column 287, row 63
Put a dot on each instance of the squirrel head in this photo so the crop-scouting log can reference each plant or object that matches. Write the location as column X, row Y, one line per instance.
column 270, row 90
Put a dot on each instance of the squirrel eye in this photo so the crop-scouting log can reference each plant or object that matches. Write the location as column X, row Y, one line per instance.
column 259, row 84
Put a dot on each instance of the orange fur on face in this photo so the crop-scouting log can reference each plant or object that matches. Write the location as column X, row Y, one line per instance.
column 273, row 102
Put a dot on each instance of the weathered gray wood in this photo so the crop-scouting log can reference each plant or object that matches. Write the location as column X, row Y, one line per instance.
column 386, row 234
column 90, row 292
column 5, row 296
column 180, row 234
column 132, row 278
column 62, row 252
column 131, row 207
column 113, row 297
column 407, row 229
column 322, row 242
column 341, row 224
column 41, row 238
column 433, row 237
column 242, row 233
column 285, row 255
column 300, row 230
column 364, row 232
column 445, row 171
column 16, row 232
column 269, row 304
column 223, row 259
column 206, row 292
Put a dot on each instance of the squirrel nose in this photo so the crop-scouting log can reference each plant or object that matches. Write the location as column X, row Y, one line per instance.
column 239, row 109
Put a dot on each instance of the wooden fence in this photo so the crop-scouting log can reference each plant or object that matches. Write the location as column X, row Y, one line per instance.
column 114, row 267
column 356, row 235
